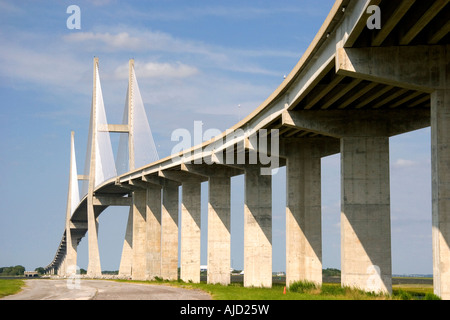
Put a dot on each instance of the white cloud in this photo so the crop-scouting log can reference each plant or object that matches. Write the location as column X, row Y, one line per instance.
column 138, row 41
column 121, row 40
column 403, row 163
column 166, row 70
column 157, row 70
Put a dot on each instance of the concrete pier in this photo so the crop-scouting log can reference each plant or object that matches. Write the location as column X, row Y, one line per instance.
column 169, row 232
column 303, row 213
column 94, row 268
column 153, row 253
column 219, row 229
column 257, row 228
column 190, row 231
column 440, row 157
column 126, row 260
column 139, row 264
column 219, row 218
column 365, row 217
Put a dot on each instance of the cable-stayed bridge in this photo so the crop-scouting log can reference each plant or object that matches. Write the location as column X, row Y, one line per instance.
column 375, row 69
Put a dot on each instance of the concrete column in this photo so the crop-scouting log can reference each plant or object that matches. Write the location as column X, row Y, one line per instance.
column 139, row 264
column 219, row 245
column 303, row 213
column 169, row 233
column 190, row 231
column 440, row 157
column 62, row 267
column 365, row 217
column 71, row 255
column 219, row 226
column 257, row 228
column 94, row 268
column 127, row 253
column 153, row 231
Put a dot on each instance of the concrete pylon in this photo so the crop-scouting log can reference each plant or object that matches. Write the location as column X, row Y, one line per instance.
column 136, row 144
column 73, row 199
column 141, row 150
column 126, row 261
column 94, row 267
column 100, row 166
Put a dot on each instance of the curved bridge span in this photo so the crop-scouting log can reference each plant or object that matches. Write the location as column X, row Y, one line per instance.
column 357, row 84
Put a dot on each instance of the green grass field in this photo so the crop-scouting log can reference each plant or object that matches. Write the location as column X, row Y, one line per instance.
column 302, row 291
column 298, row 291
column 10, row 286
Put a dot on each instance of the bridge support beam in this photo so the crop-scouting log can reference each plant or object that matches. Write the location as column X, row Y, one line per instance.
column 257, row 228
column 303, row 207
column 393, row 65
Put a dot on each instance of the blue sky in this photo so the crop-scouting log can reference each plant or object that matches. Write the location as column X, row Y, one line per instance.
column 194, row 61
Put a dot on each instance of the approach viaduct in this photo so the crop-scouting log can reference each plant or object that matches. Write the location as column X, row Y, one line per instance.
column 354, row 87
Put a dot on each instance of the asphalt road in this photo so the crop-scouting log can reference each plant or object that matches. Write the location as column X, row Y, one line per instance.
column 80, row 289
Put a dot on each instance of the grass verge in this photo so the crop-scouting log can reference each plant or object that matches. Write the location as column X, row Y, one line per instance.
column 10, row 286
column 299, row 291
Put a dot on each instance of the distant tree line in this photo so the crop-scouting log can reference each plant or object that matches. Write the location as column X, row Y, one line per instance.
column 331, row 272
column 12, row 271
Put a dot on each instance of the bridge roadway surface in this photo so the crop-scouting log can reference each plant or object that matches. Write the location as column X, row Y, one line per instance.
column 40, row 289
